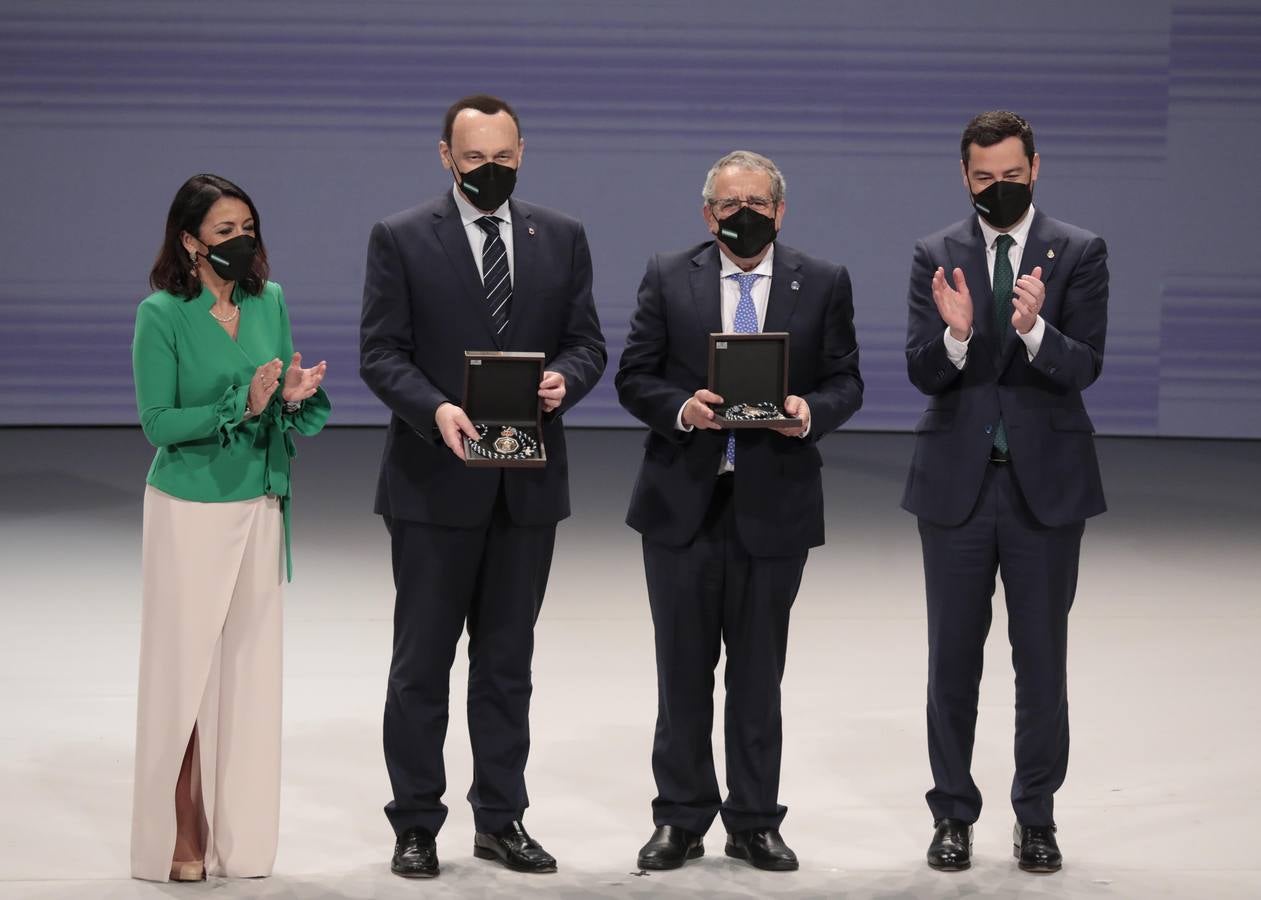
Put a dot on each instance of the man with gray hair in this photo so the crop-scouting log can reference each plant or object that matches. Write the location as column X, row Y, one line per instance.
column 728, row 516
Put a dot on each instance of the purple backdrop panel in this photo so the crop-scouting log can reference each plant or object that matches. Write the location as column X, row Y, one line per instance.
column 1147, row 115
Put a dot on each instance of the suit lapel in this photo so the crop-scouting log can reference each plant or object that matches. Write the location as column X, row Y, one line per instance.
column 706, row 293
column 785, row 289
column 1042, row 238
column 524, row 257
column 454, row 240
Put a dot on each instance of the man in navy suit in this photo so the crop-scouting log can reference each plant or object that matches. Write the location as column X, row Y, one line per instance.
column 470, row 270
column 1008, row 311
column 728, row 516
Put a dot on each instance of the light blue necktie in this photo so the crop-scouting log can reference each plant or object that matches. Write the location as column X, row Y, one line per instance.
column 745, row 323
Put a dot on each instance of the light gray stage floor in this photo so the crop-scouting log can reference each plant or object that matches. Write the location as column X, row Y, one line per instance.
column 1163, row 797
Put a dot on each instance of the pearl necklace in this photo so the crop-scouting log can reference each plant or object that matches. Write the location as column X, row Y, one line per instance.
column 236, row 311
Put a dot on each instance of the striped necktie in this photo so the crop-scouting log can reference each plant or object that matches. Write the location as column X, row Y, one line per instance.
column 495, row 277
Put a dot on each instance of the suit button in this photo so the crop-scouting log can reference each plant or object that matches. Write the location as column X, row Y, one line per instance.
column 941, row 373
column 1051, row 370
column 989, row 429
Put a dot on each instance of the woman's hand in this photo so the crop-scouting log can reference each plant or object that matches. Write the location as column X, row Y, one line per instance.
column 262, row 386
column 301, row 383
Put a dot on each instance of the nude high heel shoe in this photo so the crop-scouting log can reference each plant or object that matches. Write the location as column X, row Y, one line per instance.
column 188, row 870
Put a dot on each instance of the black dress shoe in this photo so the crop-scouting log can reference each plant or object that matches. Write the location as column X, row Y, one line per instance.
column 951, row 849
column 1035, row 847
column 415, row 855
column 670, row 847
column 513, row 847
column 764, row 848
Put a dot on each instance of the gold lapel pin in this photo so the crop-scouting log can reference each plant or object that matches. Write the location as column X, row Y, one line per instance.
column 531, row 229
column 1050, row 254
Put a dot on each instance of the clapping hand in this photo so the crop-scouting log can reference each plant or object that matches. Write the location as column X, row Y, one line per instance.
column 262, row 386
column 1028, row 294
column 301, row 383
column 954, row 304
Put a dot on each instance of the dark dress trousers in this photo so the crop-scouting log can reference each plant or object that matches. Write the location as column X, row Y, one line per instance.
column 471, row 547
column 723, row 555
column 1024, row 518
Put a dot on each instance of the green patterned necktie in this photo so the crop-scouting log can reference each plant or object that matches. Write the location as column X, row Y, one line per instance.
column 1003, row 285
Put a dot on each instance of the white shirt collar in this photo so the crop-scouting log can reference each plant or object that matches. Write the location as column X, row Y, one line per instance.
column 1019, row 234
column 765, row 267
column 470, row 213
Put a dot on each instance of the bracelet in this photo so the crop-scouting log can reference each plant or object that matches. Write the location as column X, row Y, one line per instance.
column 292, row 406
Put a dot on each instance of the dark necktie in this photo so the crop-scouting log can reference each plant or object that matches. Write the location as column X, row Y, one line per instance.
column 1003, row 286
column 495, row 276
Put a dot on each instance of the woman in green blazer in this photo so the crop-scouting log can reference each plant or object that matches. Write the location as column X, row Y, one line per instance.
column 219, row 390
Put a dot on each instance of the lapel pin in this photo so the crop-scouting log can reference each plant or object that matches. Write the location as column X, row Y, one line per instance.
column 796, row 286
column 1050, row 254
column 531, row 229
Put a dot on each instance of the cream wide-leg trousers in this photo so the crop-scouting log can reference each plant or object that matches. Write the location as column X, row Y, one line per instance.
column 210, row 656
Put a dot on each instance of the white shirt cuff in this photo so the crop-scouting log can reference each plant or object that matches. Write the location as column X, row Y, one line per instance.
column 678, row 420
column 1033, row 340
column 957, row 350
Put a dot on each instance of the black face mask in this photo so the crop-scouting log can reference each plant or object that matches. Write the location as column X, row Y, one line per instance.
column 746, row 233
column 232, row 259
column 488, row 186
column 1003, row 203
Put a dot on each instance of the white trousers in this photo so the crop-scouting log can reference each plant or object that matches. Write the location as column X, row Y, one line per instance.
column 210, row 656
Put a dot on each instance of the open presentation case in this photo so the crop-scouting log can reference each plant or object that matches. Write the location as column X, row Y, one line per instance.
column 750, row 373
column 501, row 398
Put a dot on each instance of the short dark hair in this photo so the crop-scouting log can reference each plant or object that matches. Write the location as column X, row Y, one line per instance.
column 483, row 103
column 172, row 271
column 990, row 128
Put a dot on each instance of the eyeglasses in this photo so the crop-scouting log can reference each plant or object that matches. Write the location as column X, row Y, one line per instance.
column 728, row 205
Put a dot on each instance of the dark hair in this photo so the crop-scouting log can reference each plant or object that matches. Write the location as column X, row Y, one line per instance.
column 172, row 271
column 990, row 128
column 483, row 103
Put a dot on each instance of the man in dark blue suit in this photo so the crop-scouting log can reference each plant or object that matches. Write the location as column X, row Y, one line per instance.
column 1008, row 312
column 470, row 270
column 727, row 517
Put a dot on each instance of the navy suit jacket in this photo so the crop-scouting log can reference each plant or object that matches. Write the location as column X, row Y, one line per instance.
column 778, row 486
column 423, row 306
column 1049, row 434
